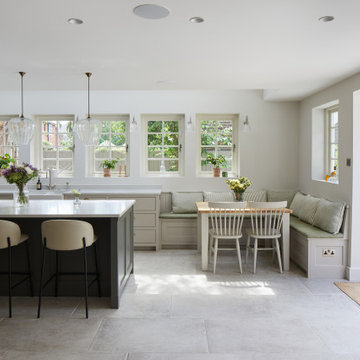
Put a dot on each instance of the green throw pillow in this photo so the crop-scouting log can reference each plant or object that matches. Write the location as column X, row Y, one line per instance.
column 329, row 216
column 184, row 202
column 297, row 203
column 308, row 209
column 281, row 195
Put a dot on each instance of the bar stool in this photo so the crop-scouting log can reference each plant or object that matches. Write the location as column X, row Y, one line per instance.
column 68, row 235
column 10, row 236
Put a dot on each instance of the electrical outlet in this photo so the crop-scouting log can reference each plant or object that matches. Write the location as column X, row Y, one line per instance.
column 328, row 252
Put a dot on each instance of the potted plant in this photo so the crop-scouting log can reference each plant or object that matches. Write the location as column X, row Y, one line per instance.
column 218, row 162
column 108, row 165
column 238, row 186
column 20, row 176
column 5, row 161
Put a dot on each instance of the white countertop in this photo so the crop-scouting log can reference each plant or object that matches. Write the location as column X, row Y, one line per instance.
column 66, row 208
column 100, row 191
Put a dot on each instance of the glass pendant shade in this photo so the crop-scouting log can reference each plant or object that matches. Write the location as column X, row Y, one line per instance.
column 88, row 130
column 21, row 129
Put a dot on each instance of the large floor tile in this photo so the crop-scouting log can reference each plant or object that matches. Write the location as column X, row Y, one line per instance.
column 48, row 334
column 60, row 355
column 159, row 356
column 51, row 306
column 218, row 306
column 262, row 335
column 151, row 335
column 341, row 337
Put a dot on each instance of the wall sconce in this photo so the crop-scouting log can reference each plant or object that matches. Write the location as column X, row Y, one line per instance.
column 133, row 124
column 246, row 128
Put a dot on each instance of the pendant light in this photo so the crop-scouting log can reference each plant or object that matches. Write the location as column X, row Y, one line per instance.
column 21, row 129
column 88, row 129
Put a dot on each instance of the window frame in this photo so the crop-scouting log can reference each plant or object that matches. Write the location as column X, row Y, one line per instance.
column 235, row 118
column 328, row 158
column 181, row 132
column 91, row 171
column 38, row 148
column 15, row 149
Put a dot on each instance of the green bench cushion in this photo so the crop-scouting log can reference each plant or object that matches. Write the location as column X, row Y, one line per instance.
column 170, row 215
column 311, row 231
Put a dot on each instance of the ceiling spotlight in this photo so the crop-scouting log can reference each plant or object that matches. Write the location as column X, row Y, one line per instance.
column 151, row 11
column 196, row 20
column 74, row 21
column 326, row 18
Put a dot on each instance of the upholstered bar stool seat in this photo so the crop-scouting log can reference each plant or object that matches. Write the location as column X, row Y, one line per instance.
column 11, row 236
column 68, row 235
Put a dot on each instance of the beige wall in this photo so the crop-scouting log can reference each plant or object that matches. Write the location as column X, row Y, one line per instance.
column 344, row 92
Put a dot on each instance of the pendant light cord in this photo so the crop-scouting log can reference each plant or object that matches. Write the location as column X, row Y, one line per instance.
column 22, row 93
column 88, row 75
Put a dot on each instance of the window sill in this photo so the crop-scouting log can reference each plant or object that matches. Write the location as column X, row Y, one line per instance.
column 333, row 182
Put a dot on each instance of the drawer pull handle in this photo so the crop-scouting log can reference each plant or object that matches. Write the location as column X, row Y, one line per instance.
column 134, row 233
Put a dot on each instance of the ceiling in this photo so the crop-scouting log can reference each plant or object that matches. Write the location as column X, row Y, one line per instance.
column 275, row 45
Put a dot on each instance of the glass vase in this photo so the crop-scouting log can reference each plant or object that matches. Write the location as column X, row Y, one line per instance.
column 239, row 196
column 77, row 201
column 21, row 196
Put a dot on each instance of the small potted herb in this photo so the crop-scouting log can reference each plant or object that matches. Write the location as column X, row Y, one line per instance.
column 218, row 162
column 108, row 165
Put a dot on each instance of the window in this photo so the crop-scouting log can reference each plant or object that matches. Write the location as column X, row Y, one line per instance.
column 325, row 142
column 6, row 145
column 332, row 141
column 217, row 135
column 163, row 135
column 56, row 148
column 113, row 145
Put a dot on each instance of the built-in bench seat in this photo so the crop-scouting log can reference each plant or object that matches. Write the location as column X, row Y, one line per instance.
column 170, row 215
column 311, row 231
column 320, row 253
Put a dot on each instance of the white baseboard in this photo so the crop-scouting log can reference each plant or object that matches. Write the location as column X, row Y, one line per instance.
column 352, row 273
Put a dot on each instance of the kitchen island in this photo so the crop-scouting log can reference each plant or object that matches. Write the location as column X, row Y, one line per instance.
column 113, row 223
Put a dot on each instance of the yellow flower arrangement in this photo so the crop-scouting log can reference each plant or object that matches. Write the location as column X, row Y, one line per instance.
column 238, row 186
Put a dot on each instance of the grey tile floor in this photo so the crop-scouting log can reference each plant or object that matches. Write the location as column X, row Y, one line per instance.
column 171, row 310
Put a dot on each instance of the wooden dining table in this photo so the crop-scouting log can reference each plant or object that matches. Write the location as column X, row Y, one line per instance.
column 203, row 234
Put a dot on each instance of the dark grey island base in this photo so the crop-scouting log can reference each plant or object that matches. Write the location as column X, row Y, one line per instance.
column 113, row 224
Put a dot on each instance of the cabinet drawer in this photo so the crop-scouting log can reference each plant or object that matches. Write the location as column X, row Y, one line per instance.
column 145, row 204
column 144, row 220
column 142, row 236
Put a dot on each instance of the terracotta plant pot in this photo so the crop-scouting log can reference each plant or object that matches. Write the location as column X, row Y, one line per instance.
column 216, row 172
column 107, row 172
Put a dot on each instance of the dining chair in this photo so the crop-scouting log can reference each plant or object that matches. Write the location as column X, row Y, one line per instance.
column 10, row 237
column 68, row 235
column 266, row 222
column 226, row 224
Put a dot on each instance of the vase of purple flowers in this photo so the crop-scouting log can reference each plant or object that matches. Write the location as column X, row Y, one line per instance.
column 20, row 176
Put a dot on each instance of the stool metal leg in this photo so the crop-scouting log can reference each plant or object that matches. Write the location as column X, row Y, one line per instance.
column 97, row 270
column 86, row 279
column 41, row 278
column 57, row 273
column 9, row 276
column 29, row 268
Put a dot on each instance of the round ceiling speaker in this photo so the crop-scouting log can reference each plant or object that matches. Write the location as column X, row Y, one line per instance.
column 151, row 11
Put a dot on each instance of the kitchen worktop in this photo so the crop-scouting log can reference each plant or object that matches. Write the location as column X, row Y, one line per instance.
column 66, row 208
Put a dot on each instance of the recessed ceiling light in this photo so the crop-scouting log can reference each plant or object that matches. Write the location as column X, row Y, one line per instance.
column 326, row 18
column 74, row 21
column 196, row 20
column 151, row 11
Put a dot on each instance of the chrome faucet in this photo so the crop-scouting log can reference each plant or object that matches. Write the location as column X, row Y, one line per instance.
column 50, row 174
